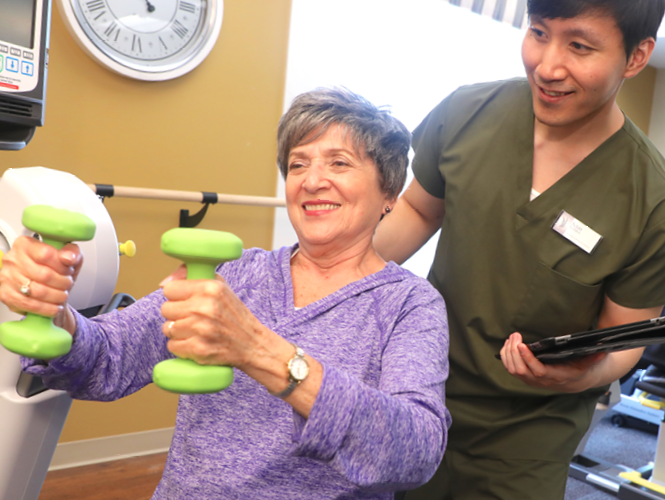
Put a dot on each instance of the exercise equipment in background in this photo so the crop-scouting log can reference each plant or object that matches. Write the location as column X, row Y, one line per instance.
column 24, row 42
column 202, row 251
column 32, row 416
column 638, row 399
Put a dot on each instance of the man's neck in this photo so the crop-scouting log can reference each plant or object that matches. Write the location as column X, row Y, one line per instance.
column 557, row 150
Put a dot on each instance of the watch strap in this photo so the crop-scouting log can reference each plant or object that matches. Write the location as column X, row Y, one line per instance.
column 289, row 389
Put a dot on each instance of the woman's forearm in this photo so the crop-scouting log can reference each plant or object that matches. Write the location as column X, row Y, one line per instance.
column 269, row 366
column 376, row 439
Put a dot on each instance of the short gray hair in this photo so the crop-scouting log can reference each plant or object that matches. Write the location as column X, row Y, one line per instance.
column 375, row 132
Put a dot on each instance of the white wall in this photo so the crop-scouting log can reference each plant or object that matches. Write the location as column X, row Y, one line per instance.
column 408, row 55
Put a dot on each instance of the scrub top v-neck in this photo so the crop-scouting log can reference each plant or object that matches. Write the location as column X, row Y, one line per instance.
column 501, row 267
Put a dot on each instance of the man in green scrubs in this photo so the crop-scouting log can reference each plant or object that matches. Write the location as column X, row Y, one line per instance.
column 551, row 205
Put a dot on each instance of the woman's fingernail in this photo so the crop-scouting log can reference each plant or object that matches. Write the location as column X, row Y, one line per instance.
column 165, row 281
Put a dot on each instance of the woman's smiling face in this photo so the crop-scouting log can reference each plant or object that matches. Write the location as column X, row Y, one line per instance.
column 333, row 195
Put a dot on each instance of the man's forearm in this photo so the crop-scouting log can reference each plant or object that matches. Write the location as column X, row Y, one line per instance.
column 401, row 234
column 615, row 366
column 417, row 215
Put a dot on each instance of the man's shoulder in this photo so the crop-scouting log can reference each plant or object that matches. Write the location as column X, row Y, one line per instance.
column 512, row 86
column 643, row 144
column 484, row 102
column 477, row 95
column 648, row 164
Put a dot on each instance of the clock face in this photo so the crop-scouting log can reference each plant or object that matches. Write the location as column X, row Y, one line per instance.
column 145, row 39
column 146, row 30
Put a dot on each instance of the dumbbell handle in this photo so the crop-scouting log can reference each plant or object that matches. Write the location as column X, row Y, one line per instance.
column 198, row 271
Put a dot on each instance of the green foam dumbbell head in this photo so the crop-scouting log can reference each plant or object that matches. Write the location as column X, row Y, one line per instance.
column 58, row 226
column 184, row 376
column 201, row 249
column 201, row 245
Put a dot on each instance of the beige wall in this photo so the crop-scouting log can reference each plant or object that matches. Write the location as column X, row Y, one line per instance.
column 636, row 97
column 210, row 130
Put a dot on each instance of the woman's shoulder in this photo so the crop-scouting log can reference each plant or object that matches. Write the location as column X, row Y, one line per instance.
column 401, row 281
column 254, row 262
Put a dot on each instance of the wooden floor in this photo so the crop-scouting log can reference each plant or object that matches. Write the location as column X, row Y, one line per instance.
column 133, row 478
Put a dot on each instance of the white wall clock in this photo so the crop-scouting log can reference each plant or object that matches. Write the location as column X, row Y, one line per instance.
column 149, row 40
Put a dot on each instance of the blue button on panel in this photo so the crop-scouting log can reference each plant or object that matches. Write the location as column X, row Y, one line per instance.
column 27, row 68
column 12, row 65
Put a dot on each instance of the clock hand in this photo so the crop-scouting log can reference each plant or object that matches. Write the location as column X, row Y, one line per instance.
column 151, row 7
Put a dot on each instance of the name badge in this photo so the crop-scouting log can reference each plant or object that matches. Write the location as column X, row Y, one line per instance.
column 576, row 232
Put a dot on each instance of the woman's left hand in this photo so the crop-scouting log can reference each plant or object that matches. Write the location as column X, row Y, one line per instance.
column 207, row 323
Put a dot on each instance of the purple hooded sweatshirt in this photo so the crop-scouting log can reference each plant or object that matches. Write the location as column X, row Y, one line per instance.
column 379, row 423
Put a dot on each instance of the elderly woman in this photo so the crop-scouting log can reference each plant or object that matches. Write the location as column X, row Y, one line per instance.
column 369, row 416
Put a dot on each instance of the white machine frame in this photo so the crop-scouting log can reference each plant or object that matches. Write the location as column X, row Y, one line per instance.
column 31, row 426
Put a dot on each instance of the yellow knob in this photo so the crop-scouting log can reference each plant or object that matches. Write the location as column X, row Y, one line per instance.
column 127, row 248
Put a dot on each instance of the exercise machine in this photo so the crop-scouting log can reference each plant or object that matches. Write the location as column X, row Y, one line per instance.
column 24, row 44
column 32, row 416
column 642, row 403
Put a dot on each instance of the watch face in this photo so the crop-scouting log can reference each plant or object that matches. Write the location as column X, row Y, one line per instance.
column 298, row 368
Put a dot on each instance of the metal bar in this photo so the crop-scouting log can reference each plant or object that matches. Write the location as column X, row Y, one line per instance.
column 193, row 196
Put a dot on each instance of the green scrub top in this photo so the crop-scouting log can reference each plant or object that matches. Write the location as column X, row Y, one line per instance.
column 502, row 268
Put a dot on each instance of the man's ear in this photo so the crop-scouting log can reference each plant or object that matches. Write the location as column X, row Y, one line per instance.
column 639, row 58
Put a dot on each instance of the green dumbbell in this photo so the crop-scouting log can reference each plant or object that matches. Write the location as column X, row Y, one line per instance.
column 36, row 336
column 202, row 251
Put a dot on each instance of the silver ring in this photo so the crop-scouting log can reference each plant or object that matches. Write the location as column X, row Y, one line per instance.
column 169, row 328
column 25, row 289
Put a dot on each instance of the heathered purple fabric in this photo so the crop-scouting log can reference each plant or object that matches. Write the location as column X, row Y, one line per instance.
column 379, row 423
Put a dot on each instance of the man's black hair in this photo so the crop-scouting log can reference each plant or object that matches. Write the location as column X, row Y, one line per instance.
column 636, row 19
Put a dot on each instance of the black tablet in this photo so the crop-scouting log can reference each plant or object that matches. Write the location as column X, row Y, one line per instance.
column 617, row 338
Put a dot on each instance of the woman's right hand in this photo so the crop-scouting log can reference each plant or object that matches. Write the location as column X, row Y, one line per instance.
column 50, row 273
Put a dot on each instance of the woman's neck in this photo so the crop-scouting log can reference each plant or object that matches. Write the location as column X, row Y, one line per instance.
column 317, row 272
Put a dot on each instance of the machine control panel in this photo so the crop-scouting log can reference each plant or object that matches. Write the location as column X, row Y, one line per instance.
column 19, row 47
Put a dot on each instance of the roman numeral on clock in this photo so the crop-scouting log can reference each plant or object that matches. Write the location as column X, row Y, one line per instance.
column 110, row 29
column 95, row 5
column 179, row 29
column 136, row 43
column 187, row 7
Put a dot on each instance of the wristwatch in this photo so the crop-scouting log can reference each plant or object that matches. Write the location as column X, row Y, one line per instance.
column 298, row 371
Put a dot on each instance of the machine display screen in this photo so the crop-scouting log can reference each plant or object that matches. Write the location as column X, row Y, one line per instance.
column 17, row 22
